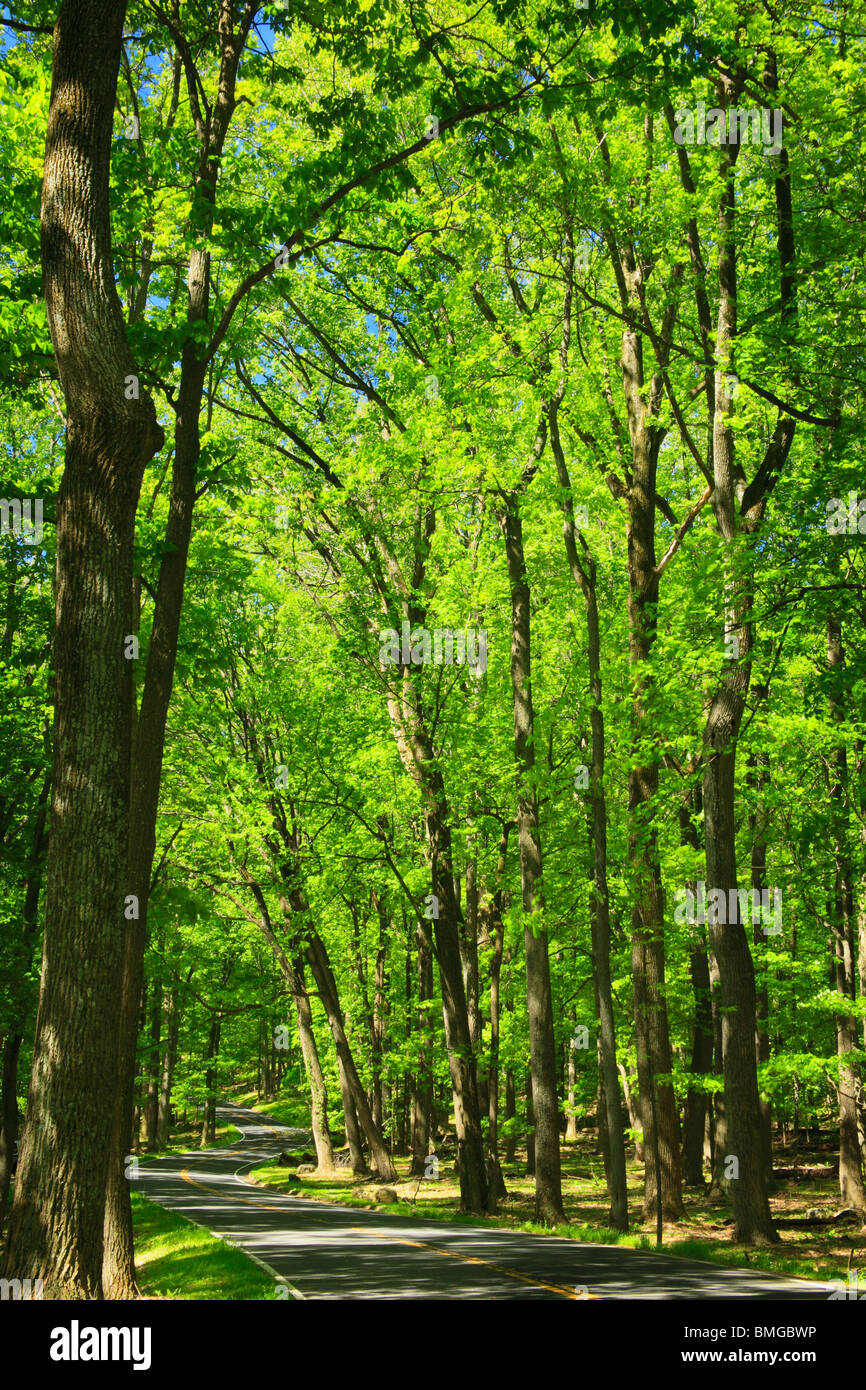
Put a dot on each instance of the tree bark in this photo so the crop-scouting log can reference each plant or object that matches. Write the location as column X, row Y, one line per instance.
column 694, row 1123
column 317, row 957
column 697, row 1100
column 169, row 1060
column 850, row 1169
column 32, row 885
column 739, row 509
column 492, row 935
column 149, row 736
column 315, row 1076
column 422, row 1102
column 539, row 1002
column 208, row 1128
column 151, row 1106
column 56, row 1228
column 757, row 824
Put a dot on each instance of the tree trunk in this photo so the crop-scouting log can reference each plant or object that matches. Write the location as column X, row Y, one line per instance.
column 701, row 1064
column 169, row 1060
column 719, row 1183
column 418, row 757
column 32, row 885
column 583, row 569
column 530, row 1126
column 471, row 981
column 422, row 1102
column 317, row 957
column 757, row 825
column 491, row 937
column 8, row 1115
column 510, row 1114
column 149, row 735
column 380, row 1004
column 56, row 1228
column 634, row 1119
column 697, row 1100
column 738, row 510
column 208, row 1128
column 737, row 1004
column 657, row 1101
column 539, row 1002
column 151, row 1108
column 571, row 1081
column 354, row 1142
column 850, row 1169
column 315, row 1075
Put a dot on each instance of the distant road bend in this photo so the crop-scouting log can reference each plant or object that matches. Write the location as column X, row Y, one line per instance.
column 322, row 1251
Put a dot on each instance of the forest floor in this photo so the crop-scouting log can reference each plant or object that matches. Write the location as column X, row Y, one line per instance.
column 817, row 1252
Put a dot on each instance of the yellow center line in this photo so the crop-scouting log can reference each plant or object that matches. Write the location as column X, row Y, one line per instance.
column 247, row 1201
column 564, row 1290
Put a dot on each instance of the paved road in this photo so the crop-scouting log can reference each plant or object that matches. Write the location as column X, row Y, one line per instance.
column 321, row 1251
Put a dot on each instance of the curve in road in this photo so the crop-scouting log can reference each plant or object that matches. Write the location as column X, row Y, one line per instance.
column 323, row 1251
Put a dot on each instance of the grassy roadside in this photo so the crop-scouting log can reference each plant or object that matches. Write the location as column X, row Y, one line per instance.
column 804, row 1253
column 176, row 1259
column 285, row 1110
column 187, row 1140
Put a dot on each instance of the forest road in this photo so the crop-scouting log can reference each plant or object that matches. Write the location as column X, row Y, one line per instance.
column 321, row 1251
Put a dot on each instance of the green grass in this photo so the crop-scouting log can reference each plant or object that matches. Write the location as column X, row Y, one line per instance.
column 185, row 1140
column 174, row 1258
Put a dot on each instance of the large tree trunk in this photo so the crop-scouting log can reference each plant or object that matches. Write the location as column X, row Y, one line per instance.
column 737, row 1004
column 149, row 745
column 422, row 1099
column 757, row 824
column 380, row 1004
column 461, row 1060
column 850, row 1169
column 315, row 1075
column 719, row 1182
column 539, row 1002
column 600, row 927
column 739, row 509
column 697, row 1100
column 657, row 1101
column 583, row 568
column 354, row 1142
column 56, row 1228
column 471, row 981
column 492, row 934
column 119, row 1271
